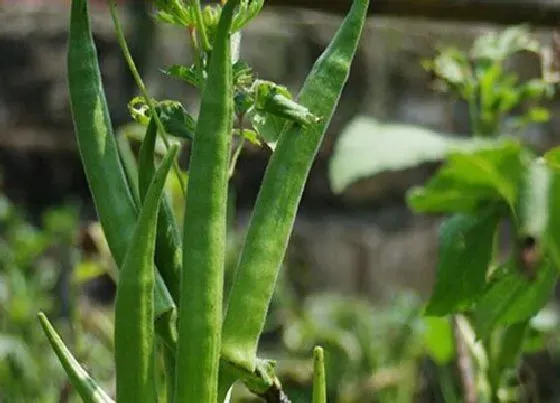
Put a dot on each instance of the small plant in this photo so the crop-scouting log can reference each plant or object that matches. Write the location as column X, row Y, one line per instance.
column 38, row 271
column 503, row 191
column 169, row 306
column 498, row 101
column 491, row 189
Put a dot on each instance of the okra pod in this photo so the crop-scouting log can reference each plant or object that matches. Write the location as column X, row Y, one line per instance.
column 273, row 218
column 204, row 238
column 134, row 305
column 97, row 146
column 83, row 383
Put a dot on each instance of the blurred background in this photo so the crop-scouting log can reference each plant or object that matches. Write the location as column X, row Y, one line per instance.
column 360, row 264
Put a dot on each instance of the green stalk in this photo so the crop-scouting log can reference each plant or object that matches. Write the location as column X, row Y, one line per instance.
column 319, row 383
column 204, row 239
column 280, row 194
column 134, row 304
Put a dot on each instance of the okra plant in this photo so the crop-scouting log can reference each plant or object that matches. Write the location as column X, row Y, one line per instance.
column 169, row 315
column 503, row 190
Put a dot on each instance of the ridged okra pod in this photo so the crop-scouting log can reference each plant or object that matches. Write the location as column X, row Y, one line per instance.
column 134, row 305
column 82, row 382
column 204, row 237
column 273, row 218
column 97, row 146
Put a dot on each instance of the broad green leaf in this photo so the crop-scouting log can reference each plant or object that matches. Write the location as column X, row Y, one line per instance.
column 467, row 181
column 367, row 147
column 85, row 385
column 514, row 298
column 134, row 304
column 187, row 74
column 551, row 244
column 438, row 339
column 552, row 157
column 464, row 255
column 175, row 119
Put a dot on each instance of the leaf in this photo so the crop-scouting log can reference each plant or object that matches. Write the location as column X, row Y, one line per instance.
column 174, row 118
column 86, row 271
column 552, row 158
column 438, row 339
column 468, row 180
column 510, row 345
column 85, row 385
column 250, row 135
column 552, row 237
column 514, row 298
column 464, row 255
column 366, row 147
column 187, row 74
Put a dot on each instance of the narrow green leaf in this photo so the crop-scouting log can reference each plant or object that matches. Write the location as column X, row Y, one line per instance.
column 514, row 298
column 280, row 193
column 134, row 304
column 468, row 180
column 85, row 385
column 204, row 229
column 319, row 379
column 464, row 255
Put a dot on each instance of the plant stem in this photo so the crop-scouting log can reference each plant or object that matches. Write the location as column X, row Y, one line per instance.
column 464, row 363
column 140, row 83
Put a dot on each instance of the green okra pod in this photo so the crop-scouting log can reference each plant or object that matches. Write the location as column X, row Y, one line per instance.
column 280, row 193
column 134, row 304
column 83, row 383
column 204, row 239
column 97, row 146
